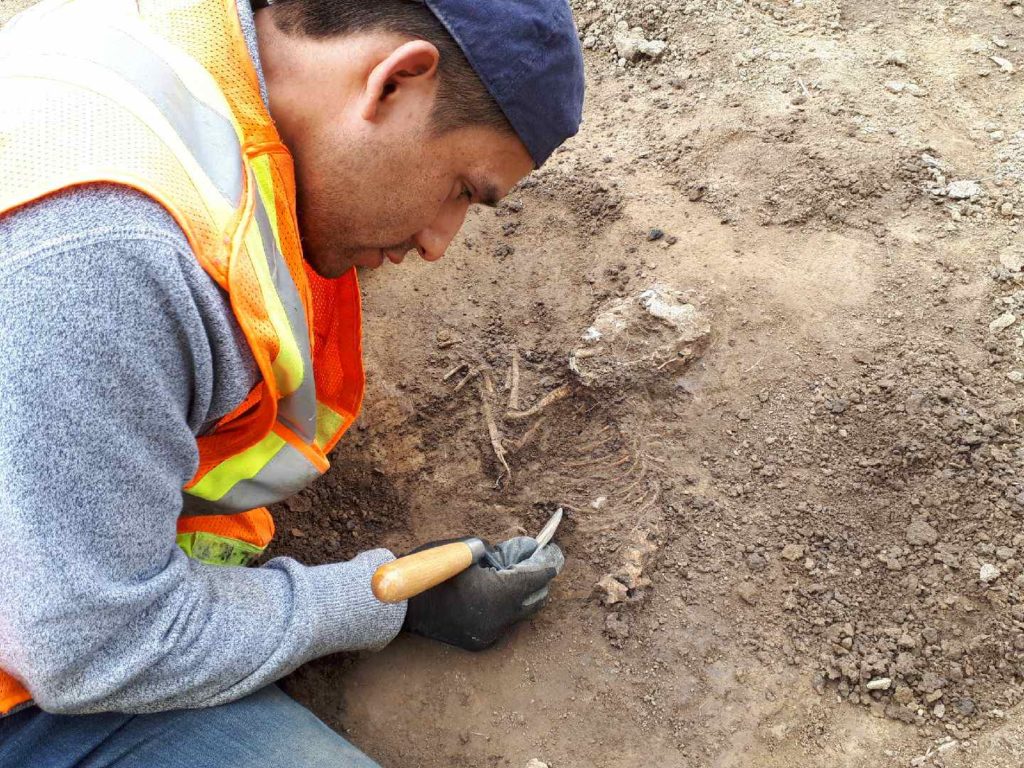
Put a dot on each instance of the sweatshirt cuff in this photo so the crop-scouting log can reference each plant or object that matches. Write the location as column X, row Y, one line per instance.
column 346, row 615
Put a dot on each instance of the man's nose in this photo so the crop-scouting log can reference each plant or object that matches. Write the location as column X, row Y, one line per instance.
column 434, row 240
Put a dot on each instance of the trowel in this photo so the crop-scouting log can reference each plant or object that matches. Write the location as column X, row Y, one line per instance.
column 410, row 575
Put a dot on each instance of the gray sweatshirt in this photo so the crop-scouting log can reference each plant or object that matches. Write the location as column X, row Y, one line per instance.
column 116, row 350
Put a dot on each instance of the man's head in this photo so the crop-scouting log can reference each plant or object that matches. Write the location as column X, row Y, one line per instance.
column 394, row 132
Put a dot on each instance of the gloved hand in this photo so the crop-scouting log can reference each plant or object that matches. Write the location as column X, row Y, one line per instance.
column 475, row 608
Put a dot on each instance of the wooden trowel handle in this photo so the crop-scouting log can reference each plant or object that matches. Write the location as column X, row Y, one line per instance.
column 408, row 576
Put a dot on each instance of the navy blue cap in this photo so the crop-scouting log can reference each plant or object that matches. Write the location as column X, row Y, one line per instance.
column 527, row 53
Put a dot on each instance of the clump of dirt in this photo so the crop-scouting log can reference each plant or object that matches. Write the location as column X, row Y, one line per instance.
column 633, row 340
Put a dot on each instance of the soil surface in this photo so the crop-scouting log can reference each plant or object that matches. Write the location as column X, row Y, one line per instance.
column 794, row 540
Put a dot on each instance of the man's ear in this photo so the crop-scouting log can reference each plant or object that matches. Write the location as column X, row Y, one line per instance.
column 413, row 64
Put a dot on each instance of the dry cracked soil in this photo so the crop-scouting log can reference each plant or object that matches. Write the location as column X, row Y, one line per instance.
column 796, row 542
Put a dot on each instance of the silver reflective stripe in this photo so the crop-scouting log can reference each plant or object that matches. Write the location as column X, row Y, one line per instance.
column 210, row 137
column 287, row 473
column 297, row 410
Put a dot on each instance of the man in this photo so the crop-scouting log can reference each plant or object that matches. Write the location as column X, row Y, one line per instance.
column 174, row 360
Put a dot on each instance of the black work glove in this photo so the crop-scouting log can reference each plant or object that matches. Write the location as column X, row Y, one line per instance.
column 475, row 608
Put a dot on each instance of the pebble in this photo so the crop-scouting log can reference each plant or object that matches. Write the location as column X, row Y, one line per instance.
column 988, row 573
column 963, row 189
column 1017, row 377
column 838, row 405
column 965, row 706
column 1006, row 209
column 1002, row 322
column 1014, row 262
column 614, row 590
column 535, row 763
column 655, row 234
column 897, row 58
column 1005, row 65
column 879, row 684
column 631, row 44
column 748, row 592
column 792, row 552
column 616, row 627
column 920, row 533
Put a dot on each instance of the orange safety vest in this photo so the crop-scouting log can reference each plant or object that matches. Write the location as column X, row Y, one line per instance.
column 162, row 96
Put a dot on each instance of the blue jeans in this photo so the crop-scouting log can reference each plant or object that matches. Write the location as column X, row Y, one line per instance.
column 265, row 730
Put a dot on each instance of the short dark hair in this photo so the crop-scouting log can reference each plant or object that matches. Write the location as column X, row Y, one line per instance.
column 462, row 98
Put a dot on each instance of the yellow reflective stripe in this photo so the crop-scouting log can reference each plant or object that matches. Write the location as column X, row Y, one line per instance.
column 287, row 366
column 212, row 549
column 265, row 184
column 102, row 81
column 328, row 423
column 297, row 410
column 242, row 466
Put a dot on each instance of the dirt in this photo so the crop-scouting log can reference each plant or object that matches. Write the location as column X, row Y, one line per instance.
column 807, row 534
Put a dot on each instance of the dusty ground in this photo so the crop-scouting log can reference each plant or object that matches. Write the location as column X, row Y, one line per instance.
column 831, row 496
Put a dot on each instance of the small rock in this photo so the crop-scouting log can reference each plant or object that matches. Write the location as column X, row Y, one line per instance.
column 966, row 707
column 963, row 189
column 298, row 533
column 1014, row 262
column 616, row 627
column 1002, row 322
column 792, row 552
column 903, row 695
column 299, row 503
column 756, row 562
column 631, row 575
column 748, row 592
column 1017, row 377
column 1005, row 65
column 632, row 45
column 655, row 234
column 614, row 591
column 907, row 642
column 879, row 684
column 535, row 763
column 895, row 86
column 1006, row 209
column 838, row 405
column 897, row 58
column 988, row 573
column 921, row 534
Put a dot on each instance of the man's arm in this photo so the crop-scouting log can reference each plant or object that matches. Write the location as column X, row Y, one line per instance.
column 104, row 354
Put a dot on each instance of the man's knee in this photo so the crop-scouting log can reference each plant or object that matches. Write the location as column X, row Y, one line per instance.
column 274, row 729
column 267, row 729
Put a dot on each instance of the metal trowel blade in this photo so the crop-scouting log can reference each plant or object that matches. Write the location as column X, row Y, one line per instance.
column 548, row 531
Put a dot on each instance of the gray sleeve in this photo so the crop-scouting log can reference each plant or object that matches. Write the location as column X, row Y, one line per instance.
column 104, row 374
